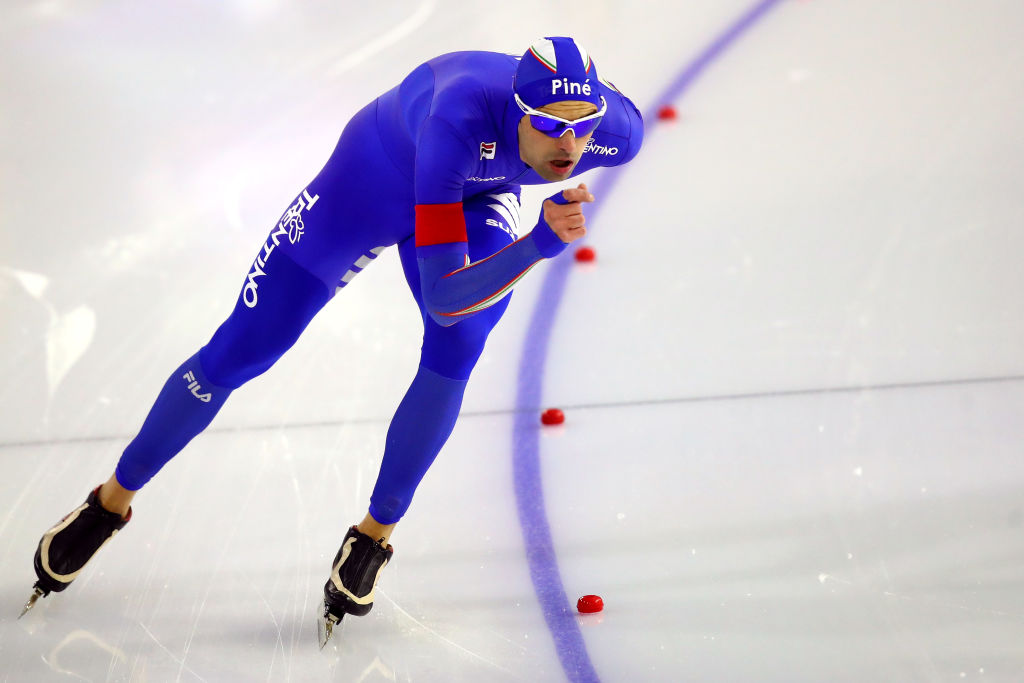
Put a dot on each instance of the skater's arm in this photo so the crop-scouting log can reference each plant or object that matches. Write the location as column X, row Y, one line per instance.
column 454, row 289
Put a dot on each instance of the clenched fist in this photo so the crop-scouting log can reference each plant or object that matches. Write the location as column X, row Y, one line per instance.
column 565, row 218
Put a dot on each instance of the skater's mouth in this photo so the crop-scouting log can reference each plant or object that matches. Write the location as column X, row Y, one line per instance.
column 561, row 166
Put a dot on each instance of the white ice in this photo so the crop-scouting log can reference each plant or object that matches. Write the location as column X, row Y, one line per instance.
column 793, row 379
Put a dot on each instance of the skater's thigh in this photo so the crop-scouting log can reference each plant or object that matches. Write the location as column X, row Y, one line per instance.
column 278, row 300
column 492, row 222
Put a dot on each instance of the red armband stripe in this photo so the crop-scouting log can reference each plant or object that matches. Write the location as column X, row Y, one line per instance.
column 440, row 224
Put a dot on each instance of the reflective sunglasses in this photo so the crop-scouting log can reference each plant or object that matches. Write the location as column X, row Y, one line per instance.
column 556, row 127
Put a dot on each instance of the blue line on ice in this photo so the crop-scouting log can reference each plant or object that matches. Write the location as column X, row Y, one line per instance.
column 540, row 550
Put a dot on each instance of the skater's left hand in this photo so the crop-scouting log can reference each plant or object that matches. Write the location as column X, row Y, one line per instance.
column 566, row 219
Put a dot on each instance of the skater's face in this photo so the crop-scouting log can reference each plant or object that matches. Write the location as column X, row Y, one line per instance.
column 554, row 158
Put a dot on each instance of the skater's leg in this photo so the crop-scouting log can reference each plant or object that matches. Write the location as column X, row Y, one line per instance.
column 375, row 530
column 332, row 230
column 423, row 422
column 428, row 412
column 278, row 299
column 244, row 346
column 114, row 497
column 421, row 425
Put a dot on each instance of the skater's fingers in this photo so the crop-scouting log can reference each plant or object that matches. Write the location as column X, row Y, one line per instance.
column 578, row 194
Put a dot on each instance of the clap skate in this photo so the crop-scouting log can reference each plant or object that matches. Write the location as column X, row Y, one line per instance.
column 65, row 549
column 357, row 566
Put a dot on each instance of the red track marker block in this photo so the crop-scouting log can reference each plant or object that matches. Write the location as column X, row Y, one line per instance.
column 552, row 416
column 585, row 254
column 589, row 604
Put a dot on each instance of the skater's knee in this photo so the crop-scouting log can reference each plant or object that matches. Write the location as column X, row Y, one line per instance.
column 261, row 328
column 230, row 364
column 454, row 351
column 455, row 360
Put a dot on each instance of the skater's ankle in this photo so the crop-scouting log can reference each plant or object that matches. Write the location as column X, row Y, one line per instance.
column 115, row 498
column 375, row 530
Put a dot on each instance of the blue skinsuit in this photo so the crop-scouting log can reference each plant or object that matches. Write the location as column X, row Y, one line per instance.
column 448, row 134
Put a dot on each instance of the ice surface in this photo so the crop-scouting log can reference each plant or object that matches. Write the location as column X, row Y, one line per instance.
column 793, row 378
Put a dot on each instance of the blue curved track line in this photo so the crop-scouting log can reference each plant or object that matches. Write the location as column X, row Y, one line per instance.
column 529, row 490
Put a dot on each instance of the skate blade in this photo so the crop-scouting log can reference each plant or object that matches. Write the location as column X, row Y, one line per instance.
column 36, row 594
column 325, row 624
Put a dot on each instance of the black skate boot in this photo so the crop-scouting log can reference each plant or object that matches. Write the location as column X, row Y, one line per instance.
column 357, row 566
column 64, row 550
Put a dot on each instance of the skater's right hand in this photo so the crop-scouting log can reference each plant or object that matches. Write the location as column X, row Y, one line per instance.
column 564, row 213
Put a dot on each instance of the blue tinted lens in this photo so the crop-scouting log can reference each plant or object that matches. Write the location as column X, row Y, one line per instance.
column 585, row 127
column 546, row 125
column 556, row 129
